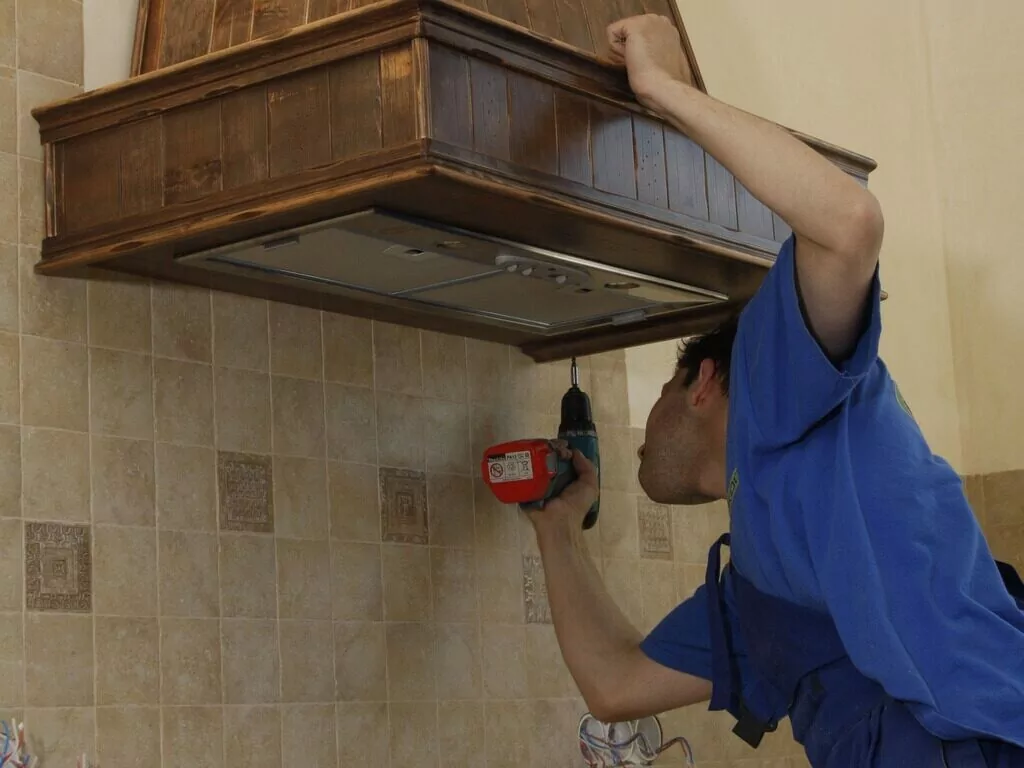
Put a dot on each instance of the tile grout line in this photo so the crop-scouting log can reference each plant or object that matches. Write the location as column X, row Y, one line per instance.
column 156, row 528
column 476, row 569
column 92, row 533
column 277, row 564
column 216, row 526
column 21, row 385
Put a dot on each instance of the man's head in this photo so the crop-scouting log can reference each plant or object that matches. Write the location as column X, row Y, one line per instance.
column 683, row 457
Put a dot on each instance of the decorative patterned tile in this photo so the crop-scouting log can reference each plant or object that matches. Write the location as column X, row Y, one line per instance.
column 655, row 524
column 246, row 492
column 535, row 591
column 403, row 495
column 58, row 567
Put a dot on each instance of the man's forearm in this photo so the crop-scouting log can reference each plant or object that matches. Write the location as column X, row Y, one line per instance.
column 592, row 632
column 819, row 201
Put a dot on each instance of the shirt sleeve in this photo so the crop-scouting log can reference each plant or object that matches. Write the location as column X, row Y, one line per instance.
column 681, row 641
column 779, row 368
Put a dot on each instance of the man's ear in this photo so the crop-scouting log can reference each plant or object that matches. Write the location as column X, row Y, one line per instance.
column 706, row 383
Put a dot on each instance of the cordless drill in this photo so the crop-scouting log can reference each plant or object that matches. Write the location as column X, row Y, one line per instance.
column 530, row 472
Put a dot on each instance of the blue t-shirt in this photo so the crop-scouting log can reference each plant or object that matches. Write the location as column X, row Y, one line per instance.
column 838, row 504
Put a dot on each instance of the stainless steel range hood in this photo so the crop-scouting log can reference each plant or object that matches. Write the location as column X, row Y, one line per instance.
column 378, row 255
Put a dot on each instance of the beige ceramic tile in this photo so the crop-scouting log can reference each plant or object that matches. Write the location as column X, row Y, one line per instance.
column 458, row 661
column 298, row 417
column 300, row 498
column 354, row 506
column 450, row 510
column 411, row 662
column 444, row 366
column 9, row 107
column 616, row 458
column 658, row 596
column 249, row 658
column 414, row 735
column 8, row 197
column 186, row 488
column 496, row 525
column 654, row 523
column 307, row 666
column 10, row 408
column 125, row 575
column 360, row 658
column 10, row 471
column 182, row 322
column 400, row 431
column 12, row 660
column 123, row 481
column 453, row 581
column 55, row 475
column 128, row 737
column 59, row 392
column 363, row 734
column 351, row 424
column 535, row 591
column 406, row 574
column 309, row 730
column 303, row 579
column 58, row 660
column 691, row 531
column 295, row 348
column 608, row 392
column 120, row 314
column 188, row 574
column 31, row 227
column 397, row 365
column 242, row 410
column 503, row 655
column 622, row 579
column 121, row 393
column 1004, row 498
column 507, row 731
column 58, row 567
column 356, row 585
column 8, row 36
column 127, row 660
column 62, row 735
column 460, row 733
column 252, row 737
column 39, row 24
column 446, row 427
column 11, row 566
column 553, row 727
column 1007, row 543
column 9, row 311
column 184, row 402
column 54, row 307
column 348, row 350
column 248, row 576
column 241, row 336
column 403, row 499
column 499, row 576
column 619, row 532
column 189, row 732
column 245, row 498
column 547, row 677
column 190, row 661
column 488, row 369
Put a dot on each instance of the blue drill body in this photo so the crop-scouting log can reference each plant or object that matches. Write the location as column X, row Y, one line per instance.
column 578, row 430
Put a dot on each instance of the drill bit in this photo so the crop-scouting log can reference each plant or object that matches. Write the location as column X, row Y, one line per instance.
column 575, row 374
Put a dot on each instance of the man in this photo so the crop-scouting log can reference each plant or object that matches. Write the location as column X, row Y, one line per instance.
column 861, row 599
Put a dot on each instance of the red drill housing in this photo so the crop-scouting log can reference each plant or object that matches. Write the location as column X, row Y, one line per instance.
column 526, row 472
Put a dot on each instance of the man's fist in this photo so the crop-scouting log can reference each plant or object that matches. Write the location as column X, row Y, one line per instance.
column 650, row 48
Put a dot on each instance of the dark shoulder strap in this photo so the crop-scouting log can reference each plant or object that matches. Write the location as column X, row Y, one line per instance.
column 1012, row 580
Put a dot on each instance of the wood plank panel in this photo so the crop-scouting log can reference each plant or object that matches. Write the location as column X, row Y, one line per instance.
column 600, row 15
column 397, row 96
column 721, row 194
column 353, row 4
column 244, row 135
column 91, row 186
column 480, row 5
column 272, row 16
column 232, row 23
column 323, row 9
column 451, row 114
column 573, row 24
column 532, row 123
column 490, row 109
column 355, row 106
column 510, row 10
column 753, row 217
column 651, row 179
column 614, row 165
column 186, row 30
column 299, row 116
column 544, row 17
column 192, row 161
column 687, row 179
column 572, row 120
column 142, row 173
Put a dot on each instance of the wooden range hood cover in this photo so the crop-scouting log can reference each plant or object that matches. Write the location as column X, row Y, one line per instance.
column 421, row 108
